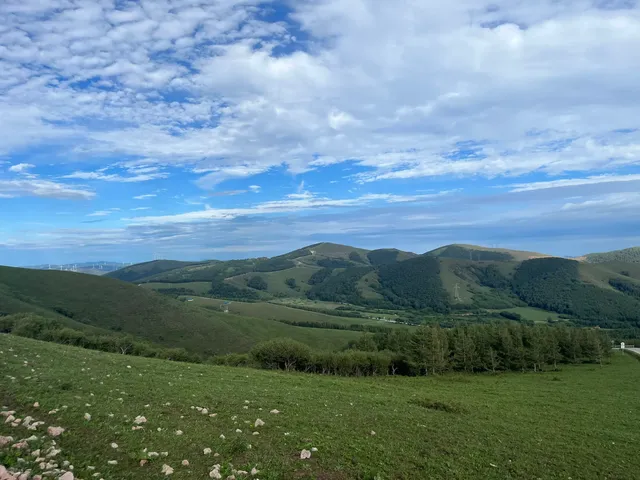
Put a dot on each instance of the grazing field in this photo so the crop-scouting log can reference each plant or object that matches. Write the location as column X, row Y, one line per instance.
column 581, row 422
column 272, row 311
column 533, row 314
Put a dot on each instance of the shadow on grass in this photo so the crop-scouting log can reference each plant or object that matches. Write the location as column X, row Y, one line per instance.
column 448, row 407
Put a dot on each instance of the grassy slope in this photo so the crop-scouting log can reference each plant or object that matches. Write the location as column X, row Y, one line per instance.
column 560, row 425
column 628, row 255
column 140, row 271
column 116, row 305
column 517, row 255
column 282, row 312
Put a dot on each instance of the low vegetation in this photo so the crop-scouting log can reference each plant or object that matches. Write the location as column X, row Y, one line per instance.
column 135, row 418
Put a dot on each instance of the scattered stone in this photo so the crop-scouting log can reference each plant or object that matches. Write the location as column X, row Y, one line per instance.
column 304, row 454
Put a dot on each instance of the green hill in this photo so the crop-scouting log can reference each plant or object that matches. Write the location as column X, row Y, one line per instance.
column 628, row 255
column 116, row 306
column 453, row 278
column 139, row 271
column 483, row 254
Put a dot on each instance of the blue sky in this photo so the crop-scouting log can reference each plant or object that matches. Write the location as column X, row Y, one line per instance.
column 220, row 129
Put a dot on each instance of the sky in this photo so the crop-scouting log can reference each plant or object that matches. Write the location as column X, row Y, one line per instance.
column 205, row 129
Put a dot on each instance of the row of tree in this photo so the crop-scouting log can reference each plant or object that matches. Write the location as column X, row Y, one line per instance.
column 431, row 350
column 50, row 330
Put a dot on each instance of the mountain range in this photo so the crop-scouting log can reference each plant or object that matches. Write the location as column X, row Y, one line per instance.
column 601, row 289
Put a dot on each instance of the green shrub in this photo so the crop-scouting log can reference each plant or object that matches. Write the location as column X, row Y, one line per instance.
column 283, row 353
column 258, row 283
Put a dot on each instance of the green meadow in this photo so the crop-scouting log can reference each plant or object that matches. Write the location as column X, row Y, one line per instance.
column 580, row 422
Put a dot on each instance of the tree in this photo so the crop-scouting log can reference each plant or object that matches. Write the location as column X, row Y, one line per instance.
column 258, row 283
column 282, row 353
column 291, row 282
column 366, row 343
column 465, row 355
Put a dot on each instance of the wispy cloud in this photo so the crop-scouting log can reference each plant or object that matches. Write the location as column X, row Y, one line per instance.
column 255, row 188
column 293, row 203
column 227, row 193
column 138, row 209
column 43, row 189
column 145, row 196
column 100, row 213
column 112, row 177
column 573, row 182
column 21, row 167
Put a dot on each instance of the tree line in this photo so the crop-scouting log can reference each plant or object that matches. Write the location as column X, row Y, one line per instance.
column 429, row 350
column 50, row 330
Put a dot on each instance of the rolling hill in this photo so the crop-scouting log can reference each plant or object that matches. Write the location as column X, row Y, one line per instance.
column 483, row 254
column 453, row 278
column 110, row 305
column 628, row 255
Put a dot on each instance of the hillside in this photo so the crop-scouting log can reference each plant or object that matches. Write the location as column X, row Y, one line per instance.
column 628, row 255
column 387, row 428
column 454, row 278
column 116, row 306
column 139, row 271
column 483, row 254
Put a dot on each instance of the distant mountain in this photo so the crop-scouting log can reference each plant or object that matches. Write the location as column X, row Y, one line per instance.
column 134, row 273
column 628, row 255
column 92, row 268
column 449, row 279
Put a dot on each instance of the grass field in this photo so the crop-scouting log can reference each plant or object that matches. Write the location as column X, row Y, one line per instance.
column 533, row 314
column 580, row 423
column 272, row 311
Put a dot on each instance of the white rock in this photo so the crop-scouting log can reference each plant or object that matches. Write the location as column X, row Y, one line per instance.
column 304, row 454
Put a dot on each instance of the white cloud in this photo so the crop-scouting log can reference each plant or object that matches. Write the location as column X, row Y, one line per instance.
column 255, row 188
column 573, row 182
column 138, row 209
column 372, row 85
column 21, row 167
column 609, row 202
column 43, row 189
column 145, row 196
column 142, row 175
column 100, row 213
column 292, row 203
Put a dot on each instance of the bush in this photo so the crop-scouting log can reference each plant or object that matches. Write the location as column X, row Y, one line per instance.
column 232, row 360
column 291, row 282
column 511, row 316
column 284, row 354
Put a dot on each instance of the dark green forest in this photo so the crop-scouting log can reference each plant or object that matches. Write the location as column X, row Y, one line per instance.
column 554, row 284
column 414, row 283
column 434, row 350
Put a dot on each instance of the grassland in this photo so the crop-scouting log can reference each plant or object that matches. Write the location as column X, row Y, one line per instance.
column 534, row 314
column 578, row 423
column 272, row 311
column 112, row 305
